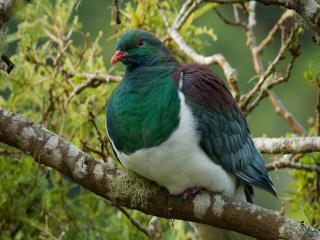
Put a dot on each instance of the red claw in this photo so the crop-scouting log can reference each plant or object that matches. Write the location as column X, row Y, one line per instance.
column 190, row 192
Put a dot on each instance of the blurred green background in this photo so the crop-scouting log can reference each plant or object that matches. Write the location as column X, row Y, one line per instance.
column 299, row 96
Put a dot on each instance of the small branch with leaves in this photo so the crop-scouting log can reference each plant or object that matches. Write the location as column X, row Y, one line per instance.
column 217, row 58
column 92, row 80
column 309, row 10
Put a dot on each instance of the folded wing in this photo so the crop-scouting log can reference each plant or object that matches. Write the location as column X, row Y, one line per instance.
column 224, row 133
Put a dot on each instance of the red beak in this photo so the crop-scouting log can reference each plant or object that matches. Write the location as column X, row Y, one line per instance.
column 118, row 56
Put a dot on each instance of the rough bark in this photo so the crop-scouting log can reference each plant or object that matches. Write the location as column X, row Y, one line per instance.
column 288, row 145
column 53, row 151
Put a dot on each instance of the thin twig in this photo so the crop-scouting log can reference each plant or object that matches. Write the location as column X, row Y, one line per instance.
column 248, row 29
column 186, row 10
column 282, row 111
column 271, row 83
column 116, row 10
column 293, row 165
column 85, row 147
column 225, row 20
column 102, row 139
column 317, row 126
column 251, row 5
column 307, row 9
column 237, row 17
column 275, row 101
column 133, row 221
column 286, row 16
column 62, row 50
column 318, row 109
column 82, row 50
column 51, row 106
column 217, row 58
column 258, row 86
column 183, row 14
column 46, row 232
column 93, row 80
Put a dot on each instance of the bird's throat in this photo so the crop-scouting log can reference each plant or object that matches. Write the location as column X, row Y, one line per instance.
column 144, row 109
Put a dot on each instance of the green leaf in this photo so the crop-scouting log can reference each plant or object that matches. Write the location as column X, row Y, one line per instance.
column 308, row 75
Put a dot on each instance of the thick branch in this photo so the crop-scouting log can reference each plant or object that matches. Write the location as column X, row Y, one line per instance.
column 217, row 58
column 214, row 59
column 51, row 150
column 288, row 145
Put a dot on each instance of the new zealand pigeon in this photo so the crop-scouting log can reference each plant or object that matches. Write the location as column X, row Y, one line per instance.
column 178, row 124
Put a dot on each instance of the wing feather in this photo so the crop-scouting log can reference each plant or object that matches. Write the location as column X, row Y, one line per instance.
column 224, row 133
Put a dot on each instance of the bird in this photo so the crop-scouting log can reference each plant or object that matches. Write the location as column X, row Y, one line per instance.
column 179, row 126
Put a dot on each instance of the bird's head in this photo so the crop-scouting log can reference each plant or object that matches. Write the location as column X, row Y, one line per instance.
column 141, row 48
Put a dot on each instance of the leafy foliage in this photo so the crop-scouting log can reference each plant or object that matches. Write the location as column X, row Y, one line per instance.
column 60, row 81
column 144, row 14
column 55, row 84
column 306, row 195
column 307, row 184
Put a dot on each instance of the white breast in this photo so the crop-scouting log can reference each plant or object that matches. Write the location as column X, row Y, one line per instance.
column 179, row 163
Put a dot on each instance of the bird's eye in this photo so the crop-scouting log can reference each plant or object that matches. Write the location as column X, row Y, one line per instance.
column 140, row 42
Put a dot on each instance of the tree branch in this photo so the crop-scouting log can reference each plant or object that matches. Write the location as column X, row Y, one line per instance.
column 286, row 16
column 51, row 150
column 309, row 10
column 217, row 58
column 116, row 10
column 93, row 80
column 282, row 111
column 288, row 145
column 317, row 122
column 187, row 8
column 258, row 86
column 259, row 68
column 286, row 163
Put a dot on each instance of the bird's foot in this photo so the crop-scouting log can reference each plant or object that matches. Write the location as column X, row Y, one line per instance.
column 191, row 192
